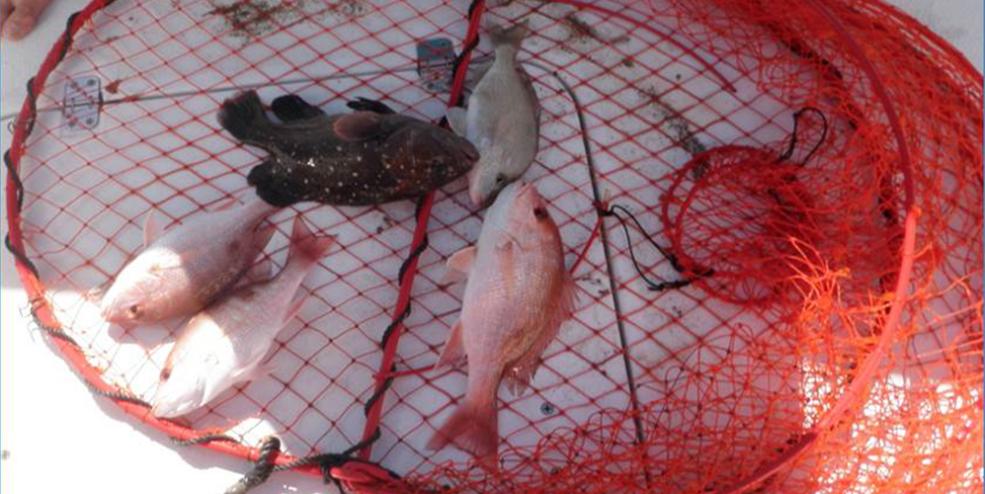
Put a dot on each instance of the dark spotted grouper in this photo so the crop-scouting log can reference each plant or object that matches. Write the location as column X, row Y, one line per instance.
column 354, row 159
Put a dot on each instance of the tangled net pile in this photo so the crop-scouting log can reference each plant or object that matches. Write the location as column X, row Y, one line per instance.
column 774, row 216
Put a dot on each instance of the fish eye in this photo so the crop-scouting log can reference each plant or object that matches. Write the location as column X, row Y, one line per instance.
column 133, row 310
column 540, row 213
column 500, row 178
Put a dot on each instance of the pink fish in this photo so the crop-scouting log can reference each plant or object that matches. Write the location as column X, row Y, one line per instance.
column 517, row 295
column 183, row 269
column 224, row 344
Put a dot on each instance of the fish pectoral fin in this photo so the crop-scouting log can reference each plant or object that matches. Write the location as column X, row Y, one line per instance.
column 453, row 353
column 459, row 265
column 462, row 260
column 457, row 120
column 357, row 126
column 152, row 227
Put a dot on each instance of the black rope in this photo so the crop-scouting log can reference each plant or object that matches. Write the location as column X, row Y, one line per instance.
column 404, row 267
column 53, row 332
column 674, row 262
column 20, row 256
column 117, row 395
column 466, row 50
column 12, row 173
column 205, row 438
column 263, row 467
column 29, row 120
column 793, row 135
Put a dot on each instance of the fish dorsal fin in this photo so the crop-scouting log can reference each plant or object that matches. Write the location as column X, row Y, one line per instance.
column 152, row 228
column 454, row 351
column 569, row 298
column 462, row 260
column 357, row 126
column 457, row 120
column 291, row 108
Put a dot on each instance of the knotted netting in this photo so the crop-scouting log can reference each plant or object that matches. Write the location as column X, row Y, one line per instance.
column 773, row 214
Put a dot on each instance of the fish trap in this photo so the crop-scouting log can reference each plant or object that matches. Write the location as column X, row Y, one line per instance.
column 774, row 216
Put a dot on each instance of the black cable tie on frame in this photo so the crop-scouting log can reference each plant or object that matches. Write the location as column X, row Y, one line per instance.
column 263, row 467
column 653, row 286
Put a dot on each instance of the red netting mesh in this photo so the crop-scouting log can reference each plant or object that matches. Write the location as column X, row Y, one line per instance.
column 829, row 340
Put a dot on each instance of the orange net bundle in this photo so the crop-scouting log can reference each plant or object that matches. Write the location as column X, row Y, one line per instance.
column 773, row 215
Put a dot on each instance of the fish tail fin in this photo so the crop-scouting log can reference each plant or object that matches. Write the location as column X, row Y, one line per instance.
column 471, row 428
column 510, row 37
column 305, row 245
column 244, row 116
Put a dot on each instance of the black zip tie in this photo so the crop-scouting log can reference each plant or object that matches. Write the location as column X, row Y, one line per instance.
column 793, row 135
column 653, row 286
column 263, row 467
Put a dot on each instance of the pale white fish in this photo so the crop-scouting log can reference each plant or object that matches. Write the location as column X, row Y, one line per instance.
column 224, row 344
column 184, row 268
column 502, row 119
column 517, row 295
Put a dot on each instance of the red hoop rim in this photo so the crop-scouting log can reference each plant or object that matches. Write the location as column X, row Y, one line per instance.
column 42, row 310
